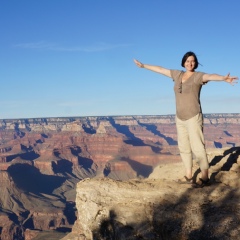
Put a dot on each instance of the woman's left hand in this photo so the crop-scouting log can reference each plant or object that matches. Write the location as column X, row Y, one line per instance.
column 230, row 79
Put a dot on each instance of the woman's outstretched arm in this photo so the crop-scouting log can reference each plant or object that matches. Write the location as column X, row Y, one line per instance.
column 215, row 77
column 153, row 68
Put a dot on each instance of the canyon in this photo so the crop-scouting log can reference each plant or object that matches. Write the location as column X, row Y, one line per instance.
column 42, row 160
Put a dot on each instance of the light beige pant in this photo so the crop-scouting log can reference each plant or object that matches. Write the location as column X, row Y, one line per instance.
column 191, row 140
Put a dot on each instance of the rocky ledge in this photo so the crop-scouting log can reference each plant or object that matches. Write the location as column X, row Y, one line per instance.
column 160, row 208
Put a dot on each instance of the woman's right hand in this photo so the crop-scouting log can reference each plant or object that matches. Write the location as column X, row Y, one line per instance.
column 139, row 64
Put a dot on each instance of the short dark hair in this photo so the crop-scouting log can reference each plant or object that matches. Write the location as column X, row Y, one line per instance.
column 188, row 54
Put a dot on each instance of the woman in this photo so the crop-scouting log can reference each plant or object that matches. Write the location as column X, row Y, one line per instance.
column 189, row 119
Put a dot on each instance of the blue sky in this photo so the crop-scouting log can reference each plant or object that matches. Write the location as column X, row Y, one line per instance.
column 63, row 58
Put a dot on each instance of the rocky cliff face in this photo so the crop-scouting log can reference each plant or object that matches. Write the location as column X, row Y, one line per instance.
column 160, row 208
column 42, row 159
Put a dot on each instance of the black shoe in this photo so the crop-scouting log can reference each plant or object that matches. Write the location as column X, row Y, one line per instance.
column 201, row 183
column 185, row 180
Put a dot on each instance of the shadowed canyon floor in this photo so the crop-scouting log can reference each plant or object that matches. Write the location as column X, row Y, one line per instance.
column 43, row 160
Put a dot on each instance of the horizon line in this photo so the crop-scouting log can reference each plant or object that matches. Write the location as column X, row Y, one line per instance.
column 105, row 116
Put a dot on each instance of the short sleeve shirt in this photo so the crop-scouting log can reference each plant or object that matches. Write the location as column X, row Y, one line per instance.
column 187, row 94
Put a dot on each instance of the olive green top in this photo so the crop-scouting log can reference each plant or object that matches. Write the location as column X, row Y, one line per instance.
column 187, row 94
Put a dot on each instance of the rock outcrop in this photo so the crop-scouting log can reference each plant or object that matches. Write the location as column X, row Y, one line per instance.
column 160, row 208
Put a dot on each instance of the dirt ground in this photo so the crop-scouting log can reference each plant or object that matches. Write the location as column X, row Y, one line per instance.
column 216, row 207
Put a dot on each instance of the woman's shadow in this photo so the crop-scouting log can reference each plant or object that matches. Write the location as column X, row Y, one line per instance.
column 233, row 153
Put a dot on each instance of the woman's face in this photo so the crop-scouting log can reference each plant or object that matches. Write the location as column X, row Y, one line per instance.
column 190, row 64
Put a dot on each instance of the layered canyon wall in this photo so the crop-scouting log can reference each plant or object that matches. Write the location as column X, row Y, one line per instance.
column 42, row 160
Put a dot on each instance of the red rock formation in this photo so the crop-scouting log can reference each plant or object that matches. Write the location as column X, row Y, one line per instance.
column 9, row 229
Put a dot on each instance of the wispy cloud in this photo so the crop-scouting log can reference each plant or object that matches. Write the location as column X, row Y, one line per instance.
column 12, row 104
column 89, row 102
column 36, row 45
column 97, row 47
column 72, row 104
